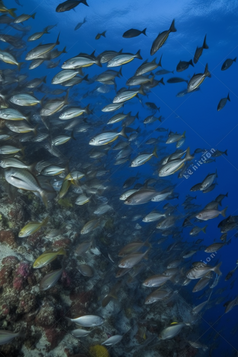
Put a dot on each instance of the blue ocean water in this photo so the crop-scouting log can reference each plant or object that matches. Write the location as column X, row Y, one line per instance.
column 194, row 113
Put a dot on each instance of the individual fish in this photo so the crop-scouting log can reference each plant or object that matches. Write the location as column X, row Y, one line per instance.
column 172, row 330
column 100, row 34
column 161, row 72
column 152, row 106
column 69, row 5
column 207, row 214
column 174, row 165
column 83, row 247
column 156, row 280
column 227, row 63
column 41, row 50
column 199, row 50
column 173, row 138
column 80, row 24
column 139, row 80
column 143, row 158
column 86, row 270
column 32, row 227
column 38, row 35
column 132, row 248
column 23, row 17
column 53, row 106
column 82, row 199
column 133, row 33
column 176, row 80
column 9, row 58
column 126, row 94
column 222, row 102
column 202, row 283
column 112, row 107
column 151, row 119
column 201, row 270
column 47, row 258
column 198, row 345
column 106, row 137
column 8, row 336
column 161, row 38
column 88, row 320
column 50, row 279
column 214, row 247
column 14, row 162
column 183, row 65
column 24, row 100
column 196, row 230
column 25, row 180
column 153, row 216
column 148, row 67
column 123, row 58
column 157, row 295
column 129, row 261
column 197, row 80
column 113, row 340
column 196, row 310
column 80, row 332
column 90, row 226
column 140, row 197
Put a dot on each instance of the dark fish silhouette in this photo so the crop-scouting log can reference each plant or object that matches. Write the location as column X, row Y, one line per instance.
column 133, row 33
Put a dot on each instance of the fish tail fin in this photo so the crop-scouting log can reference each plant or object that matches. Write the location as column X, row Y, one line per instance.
column 66, row 97
column 85, row 78
column 104, row 33
column 160, row 118
column 183, row 136
column 98, row 62
column 85, row 2
column 57, row 41
column 217, row 269
column 88, row 110
column 33, row 15
column 144, row 31
column 223, row 212
column 225, row 152
column 191, row 62
column 188, row 155
column 138, row 55
column 227, row 192
column 205, row 46
column 162, row 81
column 123, row 133
column 228, row 97
column 19, row 65
column 206, row 72
column 120, row 73
column 172, row 27
column 152, row 78
column 44, row 79
column 12, row 12
column 204, row 229
column 46, row 30
column 155, row 153
column 44, row 197
column 234, row 60
column 64, row 50
column 160, row 63
column 141, row 90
